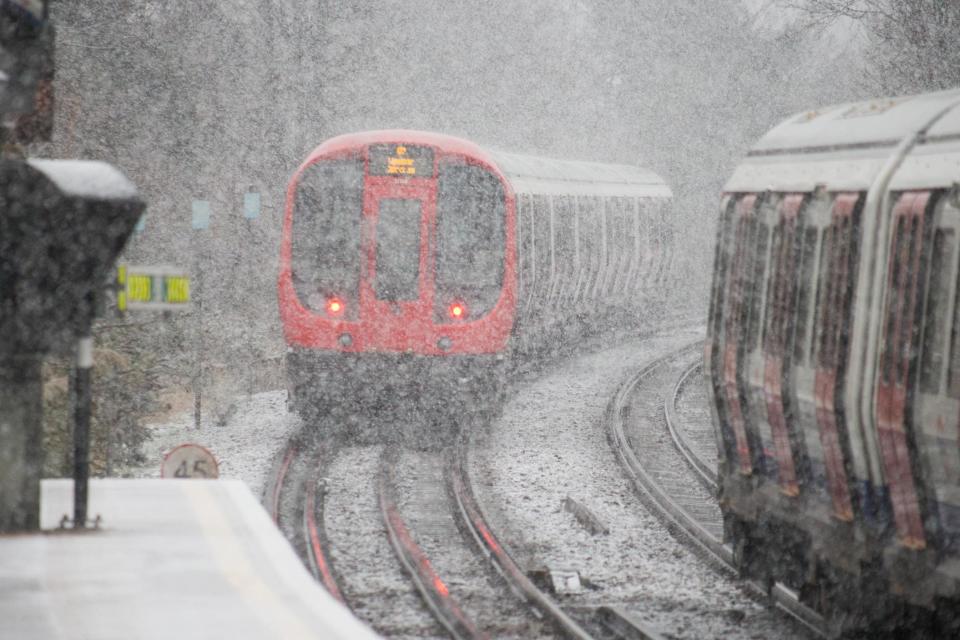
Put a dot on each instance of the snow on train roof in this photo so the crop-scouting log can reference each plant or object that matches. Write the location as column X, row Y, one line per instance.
column 533, row 174
column 846, row 146
column 883, row 122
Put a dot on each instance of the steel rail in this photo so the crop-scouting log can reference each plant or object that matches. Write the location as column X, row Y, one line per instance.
column 678, row 520
column 429, row 584
column 316, row 535
column 706, row 475
column 472, row 519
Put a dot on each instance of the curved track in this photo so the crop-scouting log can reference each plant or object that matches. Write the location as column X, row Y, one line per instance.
column 660, row 451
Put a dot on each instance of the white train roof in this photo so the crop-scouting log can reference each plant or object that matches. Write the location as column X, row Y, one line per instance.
column 844, row 147
column 533, row 174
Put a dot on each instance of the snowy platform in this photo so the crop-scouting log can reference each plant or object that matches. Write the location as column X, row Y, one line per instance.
column 185, row 559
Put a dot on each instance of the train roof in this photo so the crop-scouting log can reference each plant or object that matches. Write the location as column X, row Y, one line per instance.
column 533, row 174
column 846, row 146
column 526, row 173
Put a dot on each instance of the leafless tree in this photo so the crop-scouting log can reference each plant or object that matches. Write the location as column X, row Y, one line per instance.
column 914, row 45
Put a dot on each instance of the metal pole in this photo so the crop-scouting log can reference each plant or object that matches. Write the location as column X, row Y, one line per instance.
column 198, row 372
column 81, row 429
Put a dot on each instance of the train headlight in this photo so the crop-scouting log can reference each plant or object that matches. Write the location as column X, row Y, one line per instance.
column 445, row 343
column 457, row 310
column 335, row 306
column 346, row 340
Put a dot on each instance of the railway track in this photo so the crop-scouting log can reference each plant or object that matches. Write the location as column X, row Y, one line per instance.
column 671, row 462
column 427, row 515
column 399, row 537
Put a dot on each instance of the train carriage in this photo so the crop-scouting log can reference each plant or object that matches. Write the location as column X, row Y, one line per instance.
column 833, row 357
column 414, row 264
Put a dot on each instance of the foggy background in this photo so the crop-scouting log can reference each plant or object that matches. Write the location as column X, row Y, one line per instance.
column 207, row 101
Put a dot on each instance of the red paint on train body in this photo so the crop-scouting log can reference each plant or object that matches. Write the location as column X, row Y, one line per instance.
column 399, row 324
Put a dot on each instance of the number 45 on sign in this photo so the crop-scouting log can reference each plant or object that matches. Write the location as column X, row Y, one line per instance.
column 189, row 461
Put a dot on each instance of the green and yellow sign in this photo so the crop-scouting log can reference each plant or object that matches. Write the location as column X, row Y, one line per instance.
column 157, row 288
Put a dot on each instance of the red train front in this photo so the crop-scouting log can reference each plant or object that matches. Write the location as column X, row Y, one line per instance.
column 397, row 245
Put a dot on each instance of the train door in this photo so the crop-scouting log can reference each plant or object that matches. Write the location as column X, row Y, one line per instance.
column 832, row 331
column 778, row 328
column 736, row 300
column 898, row 346
column 936, row 410
column 811, row 274
column 766, row 241
column 397, row 293
column 713, row 345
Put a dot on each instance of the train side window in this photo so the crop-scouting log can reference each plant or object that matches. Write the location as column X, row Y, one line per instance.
column 938, row 300
column 563, row 227
column 810, row 237
column 525, row 225
column 589, row 230
column 541, row 241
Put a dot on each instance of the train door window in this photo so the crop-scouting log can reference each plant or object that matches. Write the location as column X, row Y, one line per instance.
column 823, row 293
column 756, row 279
column 935, row 321
column 398, row 249
column 327, row 214
column 774, row 283
column 809, row 238
column 563, row 245
column 471, row 237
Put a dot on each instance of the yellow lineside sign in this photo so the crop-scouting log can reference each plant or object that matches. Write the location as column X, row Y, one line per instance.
column 158, row 288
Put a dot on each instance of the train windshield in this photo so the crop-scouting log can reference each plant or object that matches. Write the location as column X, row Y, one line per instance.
column 326, row 232
column 470, row 228
column 398, row 249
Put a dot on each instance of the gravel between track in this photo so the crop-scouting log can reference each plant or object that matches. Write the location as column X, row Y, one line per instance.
column 550, row 443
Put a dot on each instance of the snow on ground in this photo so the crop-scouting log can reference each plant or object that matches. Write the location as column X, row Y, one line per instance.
column 550, row 444
column 244, row 446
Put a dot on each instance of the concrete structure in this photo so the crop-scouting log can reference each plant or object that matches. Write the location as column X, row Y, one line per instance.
column 185, row 559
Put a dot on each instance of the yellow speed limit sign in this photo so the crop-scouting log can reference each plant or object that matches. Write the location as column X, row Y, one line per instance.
column 189, row 461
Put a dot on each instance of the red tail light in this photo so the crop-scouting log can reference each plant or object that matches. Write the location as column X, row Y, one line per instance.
column 457, row 311
column 335, row 306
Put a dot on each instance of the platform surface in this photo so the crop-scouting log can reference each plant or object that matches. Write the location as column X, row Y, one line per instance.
column 184, row 559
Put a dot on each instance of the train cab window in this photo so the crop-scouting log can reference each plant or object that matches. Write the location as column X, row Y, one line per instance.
column 470, row 227
column 398, row 249
column 327, row 214
column 938, row 300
